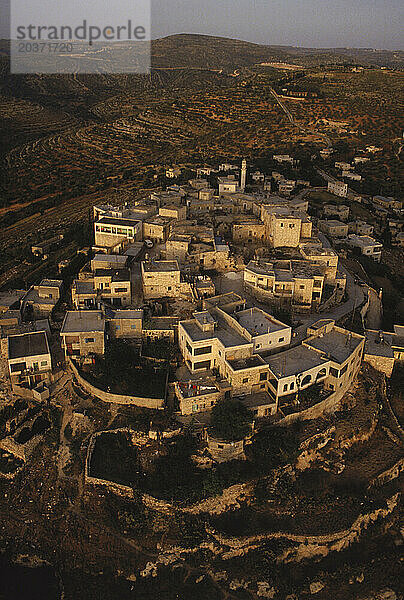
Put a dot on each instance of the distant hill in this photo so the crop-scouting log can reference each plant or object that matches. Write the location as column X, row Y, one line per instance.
column 203, row 51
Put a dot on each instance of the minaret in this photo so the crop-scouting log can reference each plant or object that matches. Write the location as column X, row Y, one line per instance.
column 243, row 175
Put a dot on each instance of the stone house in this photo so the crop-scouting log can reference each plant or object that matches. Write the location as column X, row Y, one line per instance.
column 162, row 278
column 104, row 285
column 83, row 333
column 157, row 228
column 367, row 245
column 334, row 228
column 41, row 299
column 339, row 212
column 338, row 188
column 29, row 359
column 126, row 324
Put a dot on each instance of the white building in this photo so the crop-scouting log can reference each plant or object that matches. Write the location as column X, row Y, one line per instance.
column 367, row 245
column 338, row 188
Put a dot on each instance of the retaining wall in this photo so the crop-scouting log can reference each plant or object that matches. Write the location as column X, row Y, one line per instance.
column 154, row 403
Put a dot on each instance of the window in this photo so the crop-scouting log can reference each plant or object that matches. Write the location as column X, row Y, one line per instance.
column 44, row 363
column 292, row 385
column 281, row 224
column 334, row 372
column 121, row 290
column 205, row 364
column 263, row 376
column 291, row 226
column 285, row 387
column 188, row 347
column 89, row 340
column 204, row 350
column 133, row 326
column 317, row 284
column 245, row 380
column 343, row 370
column 262, row 386
column 301, row 287
column 282, row 339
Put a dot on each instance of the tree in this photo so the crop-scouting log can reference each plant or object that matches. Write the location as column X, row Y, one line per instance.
column 230, row 420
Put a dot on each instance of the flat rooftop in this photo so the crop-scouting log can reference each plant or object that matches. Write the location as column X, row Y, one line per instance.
column 57, row 283
column 337, row 345
column 246, row 363
column 364, row 240
column 334, row 223
column 223, row 332
column 294, row 361
column 257, row 322
column 83, row 321
column 158, row 266
column 127, row 314
column 115, row 259
column 82, row 286
column 28, row 344
column 7, row 299
column 379, row 343
column 120, row 222
column 160, row 323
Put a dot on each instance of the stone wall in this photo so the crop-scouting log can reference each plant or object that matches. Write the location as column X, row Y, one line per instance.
column 153, row 403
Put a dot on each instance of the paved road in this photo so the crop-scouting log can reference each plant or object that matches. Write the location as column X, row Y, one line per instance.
column 292, row 120
column 375, row 311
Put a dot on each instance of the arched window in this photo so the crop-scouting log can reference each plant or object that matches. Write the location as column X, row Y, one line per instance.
column 306, row 380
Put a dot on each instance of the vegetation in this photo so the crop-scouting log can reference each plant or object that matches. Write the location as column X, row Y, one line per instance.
column 122, row 371
column 230, row 420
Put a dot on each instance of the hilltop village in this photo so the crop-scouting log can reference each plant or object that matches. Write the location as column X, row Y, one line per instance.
column 220, row 308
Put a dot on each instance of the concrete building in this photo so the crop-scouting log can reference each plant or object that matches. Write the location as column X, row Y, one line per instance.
column 330, row 357
column 115, row 234
column 41, row 299
column 126, row 324
column 29, row 359
column 229, row 341
column 108, row 261
column 284, row 226
column 352, row 176
column 360, row 227
column 334, row 228
column 367, row 246
column 388, row 202
column 173, row 172
column 343, row 166
column 338, row 188
column 104, row 285
column 291, row 284
column 160, row 328
column 83, row 333
column 228, row 185
column 379, row 351
column 196, row 247
column 284, row 159
column 157, row 229
column 323, row 257
column 173, row 212
column 162, row 278
column 336, row 211
column 286, row 186
column 250, row 231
